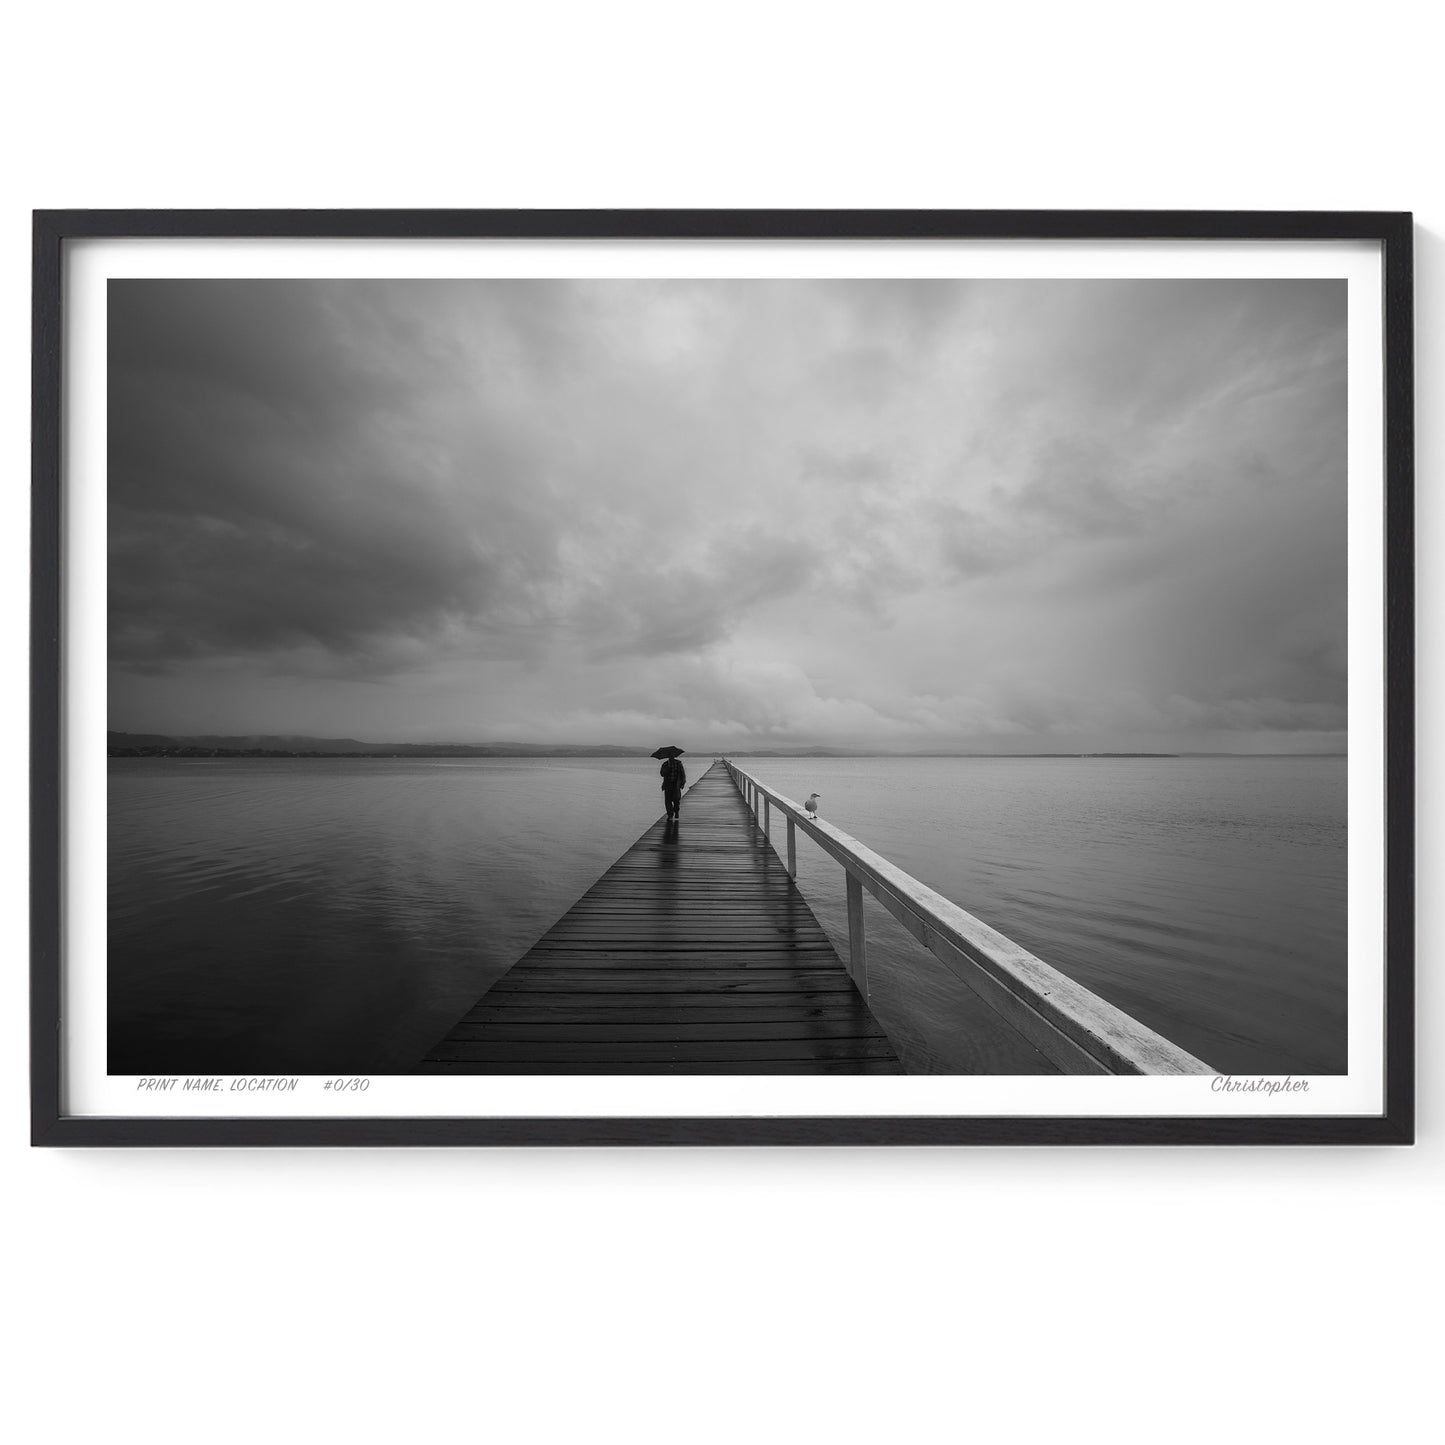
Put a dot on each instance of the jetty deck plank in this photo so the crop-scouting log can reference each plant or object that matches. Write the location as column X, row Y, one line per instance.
column 694, row 953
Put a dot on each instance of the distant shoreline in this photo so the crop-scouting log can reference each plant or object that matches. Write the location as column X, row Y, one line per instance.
column 154, row 747
column 422, row 752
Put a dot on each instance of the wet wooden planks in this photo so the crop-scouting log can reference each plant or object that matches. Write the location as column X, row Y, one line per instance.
column 694, row 953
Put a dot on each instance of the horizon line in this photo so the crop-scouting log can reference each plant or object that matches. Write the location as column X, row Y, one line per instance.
column 749, row 749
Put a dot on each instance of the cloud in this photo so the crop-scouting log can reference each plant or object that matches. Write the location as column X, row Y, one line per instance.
column 915, row 513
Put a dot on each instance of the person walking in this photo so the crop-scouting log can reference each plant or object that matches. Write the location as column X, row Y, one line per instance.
column 674, row 780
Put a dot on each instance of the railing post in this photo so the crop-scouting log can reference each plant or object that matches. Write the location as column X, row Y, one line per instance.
column 857, row 952
column 792, row 850
column 767, row 818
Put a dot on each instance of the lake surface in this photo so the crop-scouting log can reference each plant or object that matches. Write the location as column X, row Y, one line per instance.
column 338, row 915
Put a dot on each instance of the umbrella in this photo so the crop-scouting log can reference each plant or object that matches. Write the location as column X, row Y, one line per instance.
column 669, row 752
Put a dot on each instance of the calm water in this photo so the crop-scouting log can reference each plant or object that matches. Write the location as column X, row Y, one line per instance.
column 313, row 916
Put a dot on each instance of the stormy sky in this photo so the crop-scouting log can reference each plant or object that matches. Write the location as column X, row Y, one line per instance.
column 911, row 515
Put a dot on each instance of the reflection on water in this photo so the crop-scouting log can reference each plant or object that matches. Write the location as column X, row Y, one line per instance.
column 334, row 915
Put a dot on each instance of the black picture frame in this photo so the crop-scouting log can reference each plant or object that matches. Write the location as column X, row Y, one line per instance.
column 54, row 230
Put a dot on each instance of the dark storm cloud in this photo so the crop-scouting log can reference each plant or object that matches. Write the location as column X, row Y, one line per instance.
column 671, row 609
column 273, row 483
column 902, row 513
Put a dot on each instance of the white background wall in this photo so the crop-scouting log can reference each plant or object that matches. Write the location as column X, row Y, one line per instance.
column 1219, row 1295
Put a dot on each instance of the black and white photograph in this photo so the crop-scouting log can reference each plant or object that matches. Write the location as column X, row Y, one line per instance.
column 915, row 675
column 722, row 722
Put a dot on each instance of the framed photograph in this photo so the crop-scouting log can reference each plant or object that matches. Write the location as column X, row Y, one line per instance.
column 650, row 678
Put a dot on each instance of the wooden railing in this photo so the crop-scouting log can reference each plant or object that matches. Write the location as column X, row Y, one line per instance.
column 1074, row 1029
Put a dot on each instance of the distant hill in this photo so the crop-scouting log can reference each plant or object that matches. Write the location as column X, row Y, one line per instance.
column 288, row 745
column 292, row 746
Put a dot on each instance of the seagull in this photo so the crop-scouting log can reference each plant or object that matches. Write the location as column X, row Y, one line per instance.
column 810, row 804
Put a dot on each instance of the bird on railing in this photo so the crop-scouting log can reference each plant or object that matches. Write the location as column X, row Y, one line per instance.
column 810, row 804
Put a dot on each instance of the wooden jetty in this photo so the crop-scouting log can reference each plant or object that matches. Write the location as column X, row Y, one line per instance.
column 696, row 953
